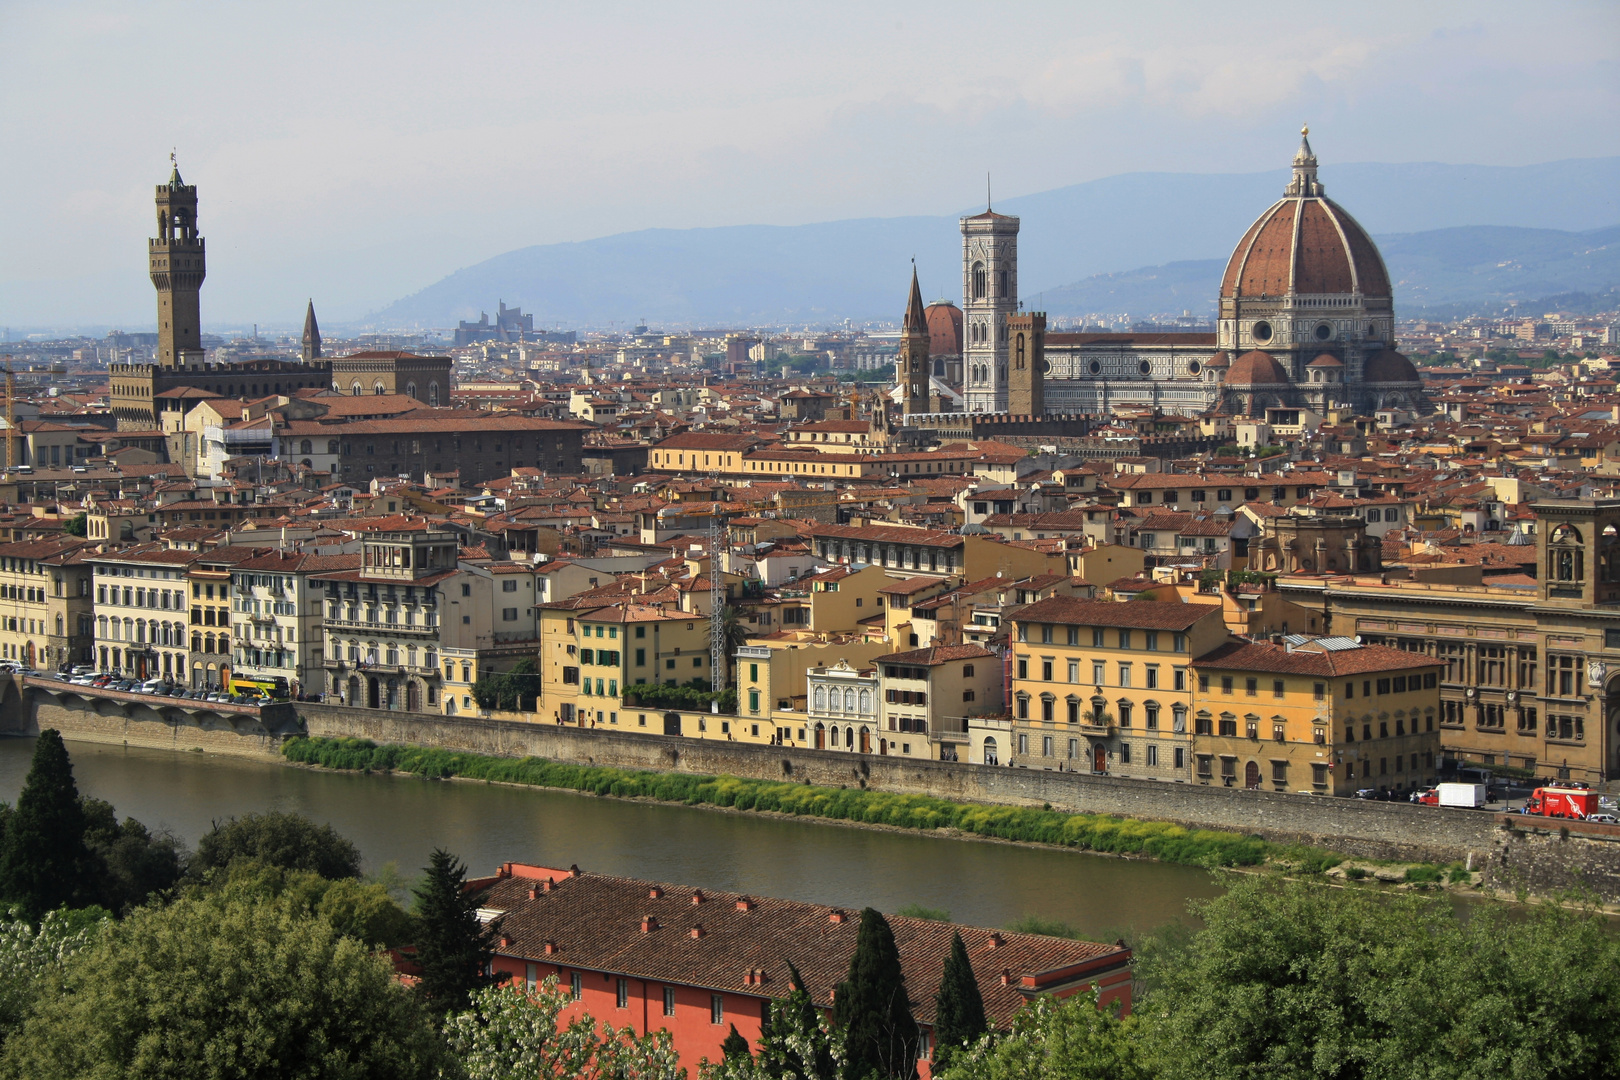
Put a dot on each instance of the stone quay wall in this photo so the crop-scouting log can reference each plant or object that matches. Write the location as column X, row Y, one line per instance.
column 1365, row 829
column 154, row 723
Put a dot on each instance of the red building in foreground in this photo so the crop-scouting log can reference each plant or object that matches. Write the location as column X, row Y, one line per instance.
column 650, row 955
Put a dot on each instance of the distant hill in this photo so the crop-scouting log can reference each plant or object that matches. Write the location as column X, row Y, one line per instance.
column 1460, row 270
column 857, row 269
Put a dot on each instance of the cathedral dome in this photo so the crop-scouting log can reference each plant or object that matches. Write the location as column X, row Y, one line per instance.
column 1305, row 244
column 1222, row 359
column 1389, row 367
column 1326, row 360
column 944, row 329
column 1257, row 368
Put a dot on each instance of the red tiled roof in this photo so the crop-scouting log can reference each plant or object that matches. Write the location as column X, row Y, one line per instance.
column 1159, row 615
column 1264, row 656
column 935, row 654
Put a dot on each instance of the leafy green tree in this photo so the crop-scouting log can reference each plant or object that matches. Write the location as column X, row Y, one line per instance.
column 77, row 525
column 30, row 956
column 959, row 1007
column 509, row 689
column 1052, row 1039
column 452, row 946
column 507, row 1034
column 735, row 1047
column 232, row 990
column 363, row 910
column 289, row 841
column 872, row 1008
column 130, row 863
column 43, row 861
column 796, row 1043
column 1297, row 980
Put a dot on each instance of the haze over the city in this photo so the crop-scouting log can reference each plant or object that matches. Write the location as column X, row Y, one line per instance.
column 358, row 153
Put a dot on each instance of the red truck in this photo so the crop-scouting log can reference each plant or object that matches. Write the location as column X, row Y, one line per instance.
column 1558, row 802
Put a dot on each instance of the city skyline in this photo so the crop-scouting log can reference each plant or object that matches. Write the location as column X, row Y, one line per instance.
column 391, row 177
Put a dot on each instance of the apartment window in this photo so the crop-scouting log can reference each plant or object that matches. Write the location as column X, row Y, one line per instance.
column 507, row 614
column 1152, row 755
column 1179, row 642
column 1124, row 639
column 1319, row 691
column 1179, row 679
column 531, row 976
column 1124, row 714
column 717, row 1009
column 1074, row 635
column 1206, row 766
column 1046, row 745
column 1152, row 676
column 1125, row 753
column 576, row 985
column 1152, row 641
column 1074, row 671
column 669, row 1001
column 1023, row 744
column 1046, row 669
column 1251, row 687
column 1023, row 668
column 622, row 996
column 1251, row 728
column 1279, row 733
column 1124, row 674
column 1276, row 688
column 1181, row 757
column 1151, row 713
column 1226, row 684
column 1096, row 638
column 1098, row 672
column 1562, row 676
column 1046, row 635
column 1228, row 727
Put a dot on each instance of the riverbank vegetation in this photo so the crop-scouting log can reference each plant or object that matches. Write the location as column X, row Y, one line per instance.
column 1159, row 840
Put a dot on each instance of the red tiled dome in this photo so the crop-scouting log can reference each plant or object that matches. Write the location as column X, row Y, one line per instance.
column 1256, row 368
column 1327, row 253
column 1222, row 359
column 1389, row 367
column 1326, row 360
column 944, row 329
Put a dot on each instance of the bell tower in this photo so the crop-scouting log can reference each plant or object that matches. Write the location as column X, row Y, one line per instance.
column 913, row 359
column 177, row 265
column 989, row 295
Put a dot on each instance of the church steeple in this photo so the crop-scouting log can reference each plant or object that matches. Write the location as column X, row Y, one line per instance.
column 312, row 334
column 913, row 360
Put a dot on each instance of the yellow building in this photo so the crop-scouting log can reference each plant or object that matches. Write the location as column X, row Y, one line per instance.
column 1103, row 687
column 772, row 684
column 46, row 607
column 591, row 655
column 1319, row 715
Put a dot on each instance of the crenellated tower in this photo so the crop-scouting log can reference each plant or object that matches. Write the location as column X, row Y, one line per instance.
column 178, row 265
column 1026, row 364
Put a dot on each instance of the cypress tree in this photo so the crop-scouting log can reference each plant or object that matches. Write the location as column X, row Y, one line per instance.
column 43, row 861
column 735, row 1047
column 872, row 1009
column 452, row 946
column 959, row 1007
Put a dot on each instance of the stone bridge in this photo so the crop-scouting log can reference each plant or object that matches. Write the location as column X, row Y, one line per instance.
column 29, row 704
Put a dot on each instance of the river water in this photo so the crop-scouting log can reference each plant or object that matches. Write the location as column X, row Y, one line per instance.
column 399, row 819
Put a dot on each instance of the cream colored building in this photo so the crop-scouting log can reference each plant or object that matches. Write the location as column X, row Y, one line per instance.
column 46, row 604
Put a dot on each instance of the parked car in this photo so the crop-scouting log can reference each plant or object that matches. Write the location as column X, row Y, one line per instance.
column 1603, row 819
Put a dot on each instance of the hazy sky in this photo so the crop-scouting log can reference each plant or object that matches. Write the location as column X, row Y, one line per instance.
column 356, row 152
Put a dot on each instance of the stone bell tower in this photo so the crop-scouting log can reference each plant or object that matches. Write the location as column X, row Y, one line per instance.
column 913, row 358
column 178, row 266
column 1026, row 364
column 989, row 295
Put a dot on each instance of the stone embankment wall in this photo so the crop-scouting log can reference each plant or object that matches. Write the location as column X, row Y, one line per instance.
column 1367, row 829
column 1545, row 857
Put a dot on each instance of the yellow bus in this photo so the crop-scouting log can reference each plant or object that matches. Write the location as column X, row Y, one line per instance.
column 273, row 689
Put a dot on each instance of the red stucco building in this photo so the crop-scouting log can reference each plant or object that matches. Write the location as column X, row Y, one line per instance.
column 653, row 955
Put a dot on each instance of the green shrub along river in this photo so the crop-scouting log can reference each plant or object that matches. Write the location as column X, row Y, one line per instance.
column 1159, row 840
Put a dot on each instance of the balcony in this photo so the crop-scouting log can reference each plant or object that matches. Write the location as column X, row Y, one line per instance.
column 1088, row 727
column 356, row 626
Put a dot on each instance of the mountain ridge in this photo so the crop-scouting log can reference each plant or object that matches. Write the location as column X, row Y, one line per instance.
column 823, row 272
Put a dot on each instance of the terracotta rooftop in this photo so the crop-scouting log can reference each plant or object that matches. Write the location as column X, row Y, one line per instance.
column 1159, row 615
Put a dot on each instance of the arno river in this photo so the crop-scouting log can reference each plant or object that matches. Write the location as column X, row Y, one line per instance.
column 401, row 819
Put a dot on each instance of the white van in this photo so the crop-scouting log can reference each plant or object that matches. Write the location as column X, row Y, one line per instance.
column 150, row 686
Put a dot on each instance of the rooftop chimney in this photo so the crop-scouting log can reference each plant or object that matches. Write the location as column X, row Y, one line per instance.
column 655, row 893
column 648, row 924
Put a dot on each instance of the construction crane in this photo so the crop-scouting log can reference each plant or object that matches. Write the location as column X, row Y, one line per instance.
column 13, row 437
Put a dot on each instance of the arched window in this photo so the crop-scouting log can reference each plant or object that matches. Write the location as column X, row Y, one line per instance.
column 849, row 701
column 978, row 281
column 990, row 750
column 1020, row 349
column 433, row 394
column 331, row 446
column 1001, row 283
column 377, row 387
column 306, row 447
column 410, row 389
column 866, row 701
column 354, row 388
column 821, row 697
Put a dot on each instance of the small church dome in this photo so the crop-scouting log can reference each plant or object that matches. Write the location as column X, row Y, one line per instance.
column 1257, row 368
